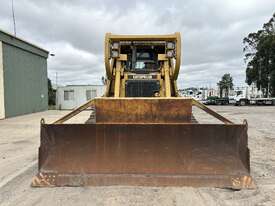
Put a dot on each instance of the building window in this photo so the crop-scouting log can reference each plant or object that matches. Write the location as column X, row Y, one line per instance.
column 90, row 94
column 68, row 95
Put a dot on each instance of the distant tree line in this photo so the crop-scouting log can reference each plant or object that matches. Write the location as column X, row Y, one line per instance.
column 51, row 93
column 259, row 51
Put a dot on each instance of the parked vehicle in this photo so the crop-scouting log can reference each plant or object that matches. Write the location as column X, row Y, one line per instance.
column 215, row 100
column 243, row 97
column 222, row 101
column 211, row 100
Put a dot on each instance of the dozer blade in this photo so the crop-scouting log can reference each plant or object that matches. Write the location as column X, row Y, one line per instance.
column 174, row 154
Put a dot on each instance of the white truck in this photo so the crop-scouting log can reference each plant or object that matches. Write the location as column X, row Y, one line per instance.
column 250, row 96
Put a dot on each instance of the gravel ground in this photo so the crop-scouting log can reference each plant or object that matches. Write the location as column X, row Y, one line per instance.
column 19, row 141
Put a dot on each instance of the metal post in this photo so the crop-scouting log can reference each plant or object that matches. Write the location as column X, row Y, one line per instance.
column 167, row 79
column 268, row 82
column 13, row 18
column 117, row 78
column 56, row 79
column 260, row 77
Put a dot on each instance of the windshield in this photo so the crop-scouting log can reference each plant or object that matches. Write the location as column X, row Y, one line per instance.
column 145, row 60
column 140, row 65
column 142, row 57
column 239, row 93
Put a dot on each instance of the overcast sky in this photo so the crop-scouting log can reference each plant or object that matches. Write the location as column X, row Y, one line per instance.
column 212, row 33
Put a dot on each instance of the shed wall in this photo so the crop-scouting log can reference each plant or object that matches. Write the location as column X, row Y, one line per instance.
column 79, row 95
column 25, row 85
column 2, row 102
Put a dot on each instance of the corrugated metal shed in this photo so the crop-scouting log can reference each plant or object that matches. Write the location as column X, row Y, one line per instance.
column 23, row 77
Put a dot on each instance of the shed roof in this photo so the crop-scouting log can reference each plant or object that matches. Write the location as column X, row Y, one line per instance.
column 22, row 44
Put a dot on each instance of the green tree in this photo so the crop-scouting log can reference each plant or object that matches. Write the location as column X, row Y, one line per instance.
column 51, row 93
column 259, row 50
column 225, row 84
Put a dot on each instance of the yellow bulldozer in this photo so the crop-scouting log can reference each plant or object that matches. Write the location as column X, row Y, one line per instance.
column 143, row 132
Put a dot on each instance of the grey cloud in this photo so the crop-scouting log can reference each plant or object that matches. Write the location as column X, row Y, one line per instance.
column 212, row 33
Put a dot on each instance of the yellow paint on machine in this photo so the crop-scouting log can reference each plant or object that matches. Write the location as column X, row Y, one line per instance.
column 143, row 135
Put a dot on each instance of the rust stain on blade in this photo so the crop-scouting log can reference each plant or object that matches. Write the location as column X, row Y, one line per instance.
column 43, row 180
column 145, row 154
column 143, row 110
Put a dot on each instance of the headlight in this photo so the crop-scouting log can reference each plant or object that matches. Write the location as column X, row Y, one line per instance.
column 115, row 45
column 170, row 45
column 115, row 53
column 170, row 53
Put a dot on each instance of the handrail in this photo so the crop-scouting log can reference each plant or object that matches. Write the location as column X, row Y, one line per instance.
column 211, row 112
column 75, row 112
column 92, row 103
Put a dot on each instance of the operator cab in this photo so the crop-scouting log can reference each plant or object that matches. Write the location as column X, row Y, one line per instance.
column 142, row 68
column 142, row 58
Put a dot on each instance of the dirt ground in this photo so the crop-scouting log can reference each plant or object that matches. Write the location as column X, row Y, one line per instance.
column 19, row 141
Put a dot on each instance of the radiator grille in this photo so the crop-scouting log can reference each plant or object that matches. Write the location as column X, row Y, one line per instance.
column 141, row 88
